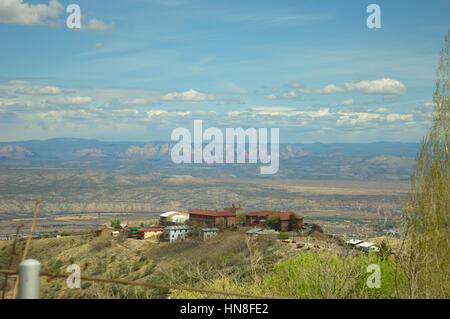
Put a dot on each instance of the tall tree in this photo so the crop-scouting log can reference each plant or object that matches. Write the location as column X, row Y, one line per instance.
column 426, row 215
column 293, row 225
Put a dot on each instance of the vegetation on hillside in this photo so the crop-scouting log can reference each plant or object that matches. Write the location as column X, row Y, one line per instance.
column 426, row 254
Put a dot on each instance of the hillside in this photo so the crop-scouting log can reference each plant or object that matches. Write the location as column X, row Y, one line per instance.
column 231, row 259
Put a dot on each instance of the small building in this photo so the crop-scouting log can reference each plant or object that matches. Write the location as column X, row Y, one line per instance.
column 257, row 218
column 174, row 217
column 366, row 246
column 253, row 231
column 209, row 218
column 132, row 231
column 173, row 233
column 353, row 242
column 180, row 218
column 115, row 233
column 149, row 233
column 209, row 232
column 267, row 232
column 260, row 231
column 394, row 232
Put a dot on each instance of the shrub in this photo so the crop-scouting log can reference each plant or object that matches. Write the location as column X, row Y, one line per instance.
column 100, row 243
column 283, row 236
column 115, row 223
column 328, row 275
column 273, row 222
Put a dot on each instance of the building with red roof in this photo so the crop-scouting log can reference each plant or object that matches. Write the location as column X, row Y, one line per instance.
column 149, row 233
column 255, row 218
column 209, row 218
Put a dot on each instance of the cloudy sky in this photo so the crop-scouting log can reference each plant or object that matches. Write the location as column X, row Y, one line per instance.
column 138, row 69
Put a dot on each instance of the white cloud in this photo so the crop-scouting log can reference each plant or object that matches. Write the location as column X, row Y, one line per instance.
column 398, row 117
column 380, row 86
column 355, row 118
column 271, row 97
column 188, row 96
column 71, row 100
column 95, row 24
column 343, row 103
column 291, row 94
column 384, row 86
column 382, row 110
column 7, row 102
column 134, row 102
column 22, row 13
column 428, row 105
column 425, row 107
column 39, row 90
column 329, row 89
column 272, row 108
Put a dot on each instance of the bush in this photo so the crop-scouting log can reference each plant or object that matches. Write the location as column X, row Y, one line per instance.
column 283, row 236
column 100, row 243
column 273, row 222
column 328, row 275
column 56, row 266
column 115, row 223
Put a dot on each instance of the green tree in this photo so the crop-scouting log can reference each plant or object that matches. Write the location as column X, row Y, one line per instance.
column 293, row 225
column 115, row 223
column 273, row 222
column 426, row 254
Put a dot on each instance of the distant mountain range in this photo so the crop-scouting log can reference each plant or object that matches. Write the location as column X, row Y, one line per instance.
column 339, row 161
column 72, row 149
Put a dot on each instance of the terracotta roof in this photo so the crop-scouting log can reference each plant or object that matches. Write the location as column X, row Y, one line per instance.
column 283, row 215
column 212, row 213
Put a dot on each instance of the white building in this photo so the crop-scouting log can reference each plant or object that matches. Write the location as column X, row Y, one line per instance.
column 366, row 246
column 175, row 232
column 173, row 216
column 179, row 219
column 209, row 232
column 259, row 231
column 353, row 242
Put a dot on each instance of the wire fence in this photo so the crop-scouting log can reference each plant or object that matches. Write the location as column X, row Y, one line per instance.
column 50, row 275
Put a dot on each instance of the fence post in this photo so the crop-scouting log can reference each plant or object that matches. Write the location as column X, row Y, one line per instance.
column 29, row 279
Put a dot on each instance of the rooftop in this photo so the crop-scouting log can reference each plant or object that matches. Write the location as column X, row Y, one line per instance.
column 167, row 214
column 210, row 229
column 253, row 230
column 150, row 229
column 354, row 241
column 141, row 227
column 282, row 215
column 177, row 227
column 365, row 244
column 211, row 213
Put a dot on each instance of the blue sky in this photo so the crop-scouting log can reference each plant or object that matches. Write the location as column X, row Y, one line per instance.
column 139, row 69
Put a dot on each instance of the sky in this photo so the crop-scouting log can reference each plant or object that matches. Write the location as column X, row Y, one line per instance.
column 138, row 69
